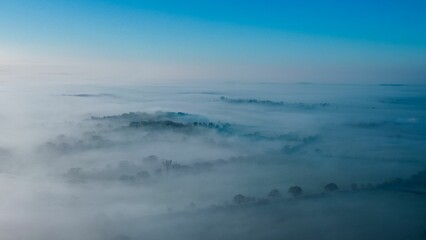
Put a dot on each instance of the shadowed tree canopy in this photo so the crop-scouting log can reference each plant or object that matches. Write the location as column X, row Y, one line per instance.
column 331, row 187
column 274, row 194
column 239, row 199
column 295, row 191
column 167, row 164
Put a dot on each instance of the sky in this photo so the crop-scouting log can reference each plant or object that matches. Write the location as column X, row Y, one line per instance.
column 251, row 41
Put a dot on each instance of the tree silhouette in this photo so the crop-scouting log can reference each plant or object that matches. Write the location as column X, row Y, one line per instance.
column 295, row 191
column 239, row 199
column 354, row 187
column 274, row 194
column 167, row 164
column 331, row 187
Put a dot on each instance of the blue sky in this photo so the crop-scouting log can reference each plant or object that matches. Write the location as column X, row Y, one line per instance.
column 284, row 41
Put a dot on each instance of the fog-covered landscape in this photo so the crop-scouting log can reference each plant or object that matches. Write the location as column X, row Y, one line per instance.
column 212, row 120
column 223, row 161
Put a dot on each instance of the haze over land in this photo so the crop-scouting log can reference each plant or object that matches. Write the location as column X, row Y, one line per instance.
column 89, row 161
column 181, row 120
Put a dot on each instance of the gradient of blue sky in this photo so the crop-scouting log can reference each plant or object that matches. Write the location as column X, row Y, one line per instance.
column 336, row 41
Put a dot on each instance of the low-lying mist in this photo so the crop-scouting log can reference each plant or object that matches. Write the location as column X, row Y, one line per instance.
column 215, row 161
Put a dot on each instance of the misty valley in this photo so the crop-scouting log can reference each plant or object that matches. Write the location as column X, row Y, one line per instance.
column 212, row 161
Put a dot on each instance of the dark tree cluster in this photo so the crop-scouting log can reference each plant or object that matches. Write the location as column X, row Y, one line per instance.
column 331, row 187
column 166, row 124
column 240, row 199
column 174, row 125
column 418, row 179
column 275, row 194
column 296, row 191
column 415, row 184
column 220, row 127
column 143, row 116
column 274, row 103
column 63, row 144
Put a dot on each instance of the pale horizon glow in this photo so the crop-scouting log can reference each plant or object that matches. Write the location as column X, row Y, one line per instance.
column 141, row 41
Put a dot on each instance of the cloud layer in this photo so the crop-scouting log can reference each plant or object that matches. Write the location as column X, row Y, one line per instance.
column 160, row 161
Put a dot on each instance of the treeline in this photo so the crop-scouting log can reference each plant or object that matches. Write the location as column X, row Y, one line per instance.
column 275, row 194
column 416, row 181
column 144, row 116
column 415, row 184
column 273, row 103
column 172, row 125
column 150, row 168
